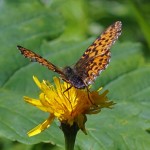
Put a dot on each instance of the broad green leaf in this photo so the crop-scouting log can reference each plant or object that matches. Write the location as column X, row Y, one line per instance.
column 38, row 27
column 24, row 24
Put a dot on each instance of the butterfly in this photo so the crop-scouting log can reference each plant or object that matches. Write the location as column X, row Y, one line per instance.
column 94, row 60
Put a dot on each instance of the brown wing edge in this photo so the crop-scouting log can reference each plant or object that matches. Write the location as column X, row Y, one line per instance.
column 37, row 58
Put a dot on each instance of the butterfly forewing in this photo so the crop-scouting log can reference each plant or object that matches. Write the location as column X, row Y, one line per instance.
column 35, row 57
column 97, row 56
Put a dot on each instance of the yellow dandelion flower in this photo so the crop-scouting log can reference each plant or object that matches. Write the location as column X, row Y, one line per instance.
column 68, row 106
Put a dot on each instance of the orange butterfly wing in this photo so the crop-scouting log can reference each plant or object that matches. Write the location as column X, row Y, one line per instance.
column 96, row 58
column 35, row 57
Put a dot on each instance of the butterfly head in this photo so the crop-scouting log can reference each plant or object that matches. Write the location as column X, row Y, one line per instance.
column 68, row 71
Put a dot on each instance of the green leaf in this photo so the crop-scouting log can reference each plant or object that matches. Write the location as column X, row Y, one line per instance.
column 38, row 27
column 24, row 24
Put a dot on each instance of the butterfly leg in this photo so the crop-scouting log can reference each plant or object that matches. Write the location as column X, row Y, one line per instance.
column 88, row 92
column 68, row 89
column 67, row 82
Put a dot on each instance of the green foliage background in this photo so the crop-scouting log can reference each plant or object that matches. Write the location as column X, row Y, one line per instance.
column 60, row 31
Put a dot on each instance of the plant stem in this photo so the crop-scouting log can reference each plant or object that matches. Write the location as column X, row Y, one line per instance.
column 70, row 133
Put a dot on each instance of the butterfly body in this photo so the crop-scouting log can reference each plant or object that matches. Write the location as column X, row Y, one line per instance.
column 72, row 77
column 94, row 60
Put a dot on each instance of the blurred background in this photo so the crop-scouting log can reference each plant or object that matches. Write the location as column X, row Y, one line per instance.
column 60, row 31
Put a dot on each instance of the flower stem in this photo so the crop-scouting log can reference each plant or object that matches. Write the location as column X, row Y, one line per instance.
column 70, row 133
